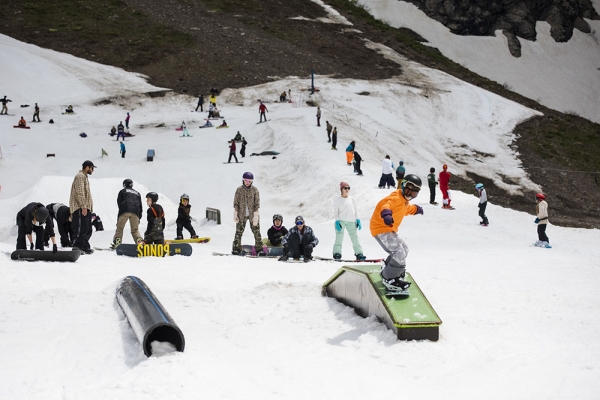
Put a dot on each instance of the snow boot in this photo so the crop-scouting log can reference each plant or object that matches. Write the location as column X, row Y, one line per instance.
column 337, row 256
column 283, row 258
column 194, row 236
column 179, row 238
column 116, row 243
column 360, row 257
column 395, row 284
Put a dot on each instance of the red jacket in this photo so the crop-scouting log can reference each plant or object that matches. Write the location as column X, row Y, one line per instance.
column 232, row 147
column 444, row 179
column 262, row 108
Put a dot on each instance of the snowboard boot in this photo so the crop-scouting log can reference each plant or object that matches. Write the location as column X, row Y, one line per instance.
column 236, row 252
column 283, row 258
column 179, row 238
column 194, row 236
column 360, row 257
column 115, row 243
column 337, row 256
column 140, row 241
column 395, row 284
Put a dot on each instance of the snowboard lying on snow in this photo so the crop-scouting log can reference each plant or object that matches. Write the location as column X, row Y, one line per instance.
column 43, row 255
column 154, row 250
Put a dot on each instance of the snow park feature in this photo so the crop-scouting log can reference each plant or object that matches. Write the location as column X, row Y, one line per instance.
column 147, row 317
column 411, row 317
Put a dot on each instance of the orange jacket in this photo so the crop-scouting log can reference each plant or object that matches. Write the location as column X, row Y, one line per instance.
column 399, row 206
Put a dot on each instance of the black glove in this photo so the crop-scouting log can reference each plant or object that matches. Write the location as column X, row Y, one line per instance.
column 54, row 248
column 387, row 217
column 31, row 247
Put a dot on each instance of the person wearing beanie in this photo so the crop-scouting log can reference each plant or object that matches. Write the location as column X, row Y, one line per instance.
column 300, row 240
column 345, row 214
column 246, row 204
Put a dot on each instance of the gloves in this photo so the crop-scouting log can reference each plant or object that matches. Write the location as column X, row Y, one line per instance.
column 31, row 247
column 255, row 218
column 387, row 217
column 338, row 226
column 235, row 216
column 537, row 220
column 358, row 224
column 419, row 210
column 54, row 248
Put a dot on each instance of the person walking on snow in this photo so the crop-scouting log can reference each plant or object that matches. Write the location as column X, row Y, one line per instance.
column 243, row 149
column 357, row 161
column 129, row 202
column 123, row 150
column 432, row 184
column 350, row 152
column 385, row 221
column 120, row 131
column 541, row 210
column 318, row 115
column 482, row 203
column 184, row 218
column 261, row 110
column 155, row 231
column 200, row 103
column 36, row 113
column 127, row 121
column 386, row 174
column 232, row 151
column 334, row 139
column 445, row 187
column 345, row 214
column 300, row 240
column 81, row 205
column 328, row 129
column 4, row 107
column 246, row 204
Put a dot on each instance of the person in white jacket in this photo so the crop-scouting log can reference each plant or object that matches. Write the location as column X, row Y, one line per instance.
column 387, row 168
column 541, row 211
column 345, row 214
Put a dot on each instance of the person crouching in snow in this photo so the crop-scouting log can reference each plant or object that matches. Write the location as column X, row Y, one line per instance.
column 31, row 219
column 184, row 218
column 345, row 213
column 482, row 203
column 300, row 240
column 276, row 232
column 385, row 221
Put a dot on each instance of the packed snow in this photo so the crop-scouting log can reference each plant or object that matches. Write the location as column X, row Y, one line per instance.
column 561, row 76
column 519, row 322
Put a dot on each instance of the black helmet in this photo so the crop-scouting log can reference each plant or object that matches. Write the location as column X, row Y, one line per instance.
column 127, row 183
column 279, row 217
column 41, row 215
column 412, row 184
column 152, row 196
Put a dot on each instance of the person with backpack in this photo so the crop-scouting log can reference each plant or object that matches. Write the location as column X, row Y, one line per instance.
column 129, row 202
column 482, row 204
column 400, row 171
column 156, row 221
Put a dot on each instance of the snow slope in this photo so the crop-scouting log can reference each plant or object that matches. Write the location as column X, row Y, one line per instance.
column 562, row 76
column 519, row 322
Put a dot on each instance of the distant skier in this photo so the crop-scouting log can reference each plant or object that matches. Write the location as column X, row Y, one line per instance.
column 36, row 113
column 243, row 149
column 238, row 137
column 246, row 205
column 334, row 139
column 184, row 129
column 350, row 152
column 123, row 150
column 482, row 203
column 445, row 187
column 541, row 210
column 211, row 110
column 232, row 149
column 282, row 97
column 4, row 107
column 200, row 103
column 386, row 174
column 113, row 131
column 183, row 218
column 81, row 205
column 400, row 171
column 262, row 109
column 385, row 221
column 328, row 128
column 318, row 115
column 31, row 219
column 300, row 240
column 357, row 162
column 120, row 131
column 69, row 110
column 432, row 184
column 62, row 214
column 276, row 232
column 345, row 214
column 127, row 121
column 129, row 202
column 156, row 220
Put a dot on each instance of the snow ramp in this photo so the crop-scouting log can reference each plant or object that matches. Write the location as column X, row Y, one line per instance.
column 360, row 287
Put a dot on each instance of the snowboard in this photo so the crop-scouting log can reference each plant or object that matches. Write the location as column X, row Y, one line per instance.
column 186, row 136
column 43, row 255
column 179, row 129
column 546, row 246
column 154, row 250
column 197, row 240
column 9, row 115
column 66, row 113
column 397, row 293
column 368, row 260
column 21, row 127
column 262, row 121
column 271, row 251
column 214, row 119
column 243, row 254
column 239, row 162
column 222, row 127
column 202, row 126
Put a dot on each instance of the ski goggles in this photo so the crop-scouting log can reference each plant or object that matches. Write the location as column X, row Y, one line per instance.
column 299, row 223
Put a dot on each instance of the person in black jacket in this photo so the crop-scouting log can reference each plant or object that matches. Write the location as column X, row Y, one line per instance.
column 129, row 201
column 300, row 240
column 156, row 221
column 357, row 161
column 184, row 218
column 30, row 219
column 276, row 232
column 62, row 214
column 200, row 103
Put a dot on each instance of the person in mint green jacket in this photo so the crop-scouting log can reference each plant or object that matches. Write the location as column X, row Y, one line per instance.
column 345, row 213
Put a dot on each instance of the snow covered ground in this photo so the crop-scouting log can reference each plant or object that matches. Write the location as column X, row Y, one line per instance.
column 561, row 76
column 519, row 322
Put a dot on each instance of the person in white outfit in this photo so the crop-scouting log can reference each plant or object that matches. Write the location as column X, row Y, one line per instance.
column 345, row 214
column 387, row 169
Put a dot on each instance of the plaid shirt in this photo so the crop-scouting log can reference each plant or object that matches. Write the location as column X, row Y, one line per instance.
column 81, row 197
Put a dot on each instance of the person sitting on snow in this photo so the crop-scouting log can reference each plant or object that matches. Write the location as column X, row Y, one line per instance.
column 69, row 110
column 207, row 124
column 216, row 112
column 22, row 123
column 224, row 124
column 300, row 240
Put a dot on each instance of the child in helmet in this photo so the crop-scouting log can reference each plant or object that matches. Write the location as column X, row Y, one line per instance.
column 541, row 210
column 385, row 221
column 156, row 220
column 482, row 203
column 276, row 232
column 184, row 218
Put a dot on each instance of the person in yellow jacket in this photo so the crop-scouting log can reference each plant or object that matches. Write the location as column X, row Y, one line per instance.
column 385, row 221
